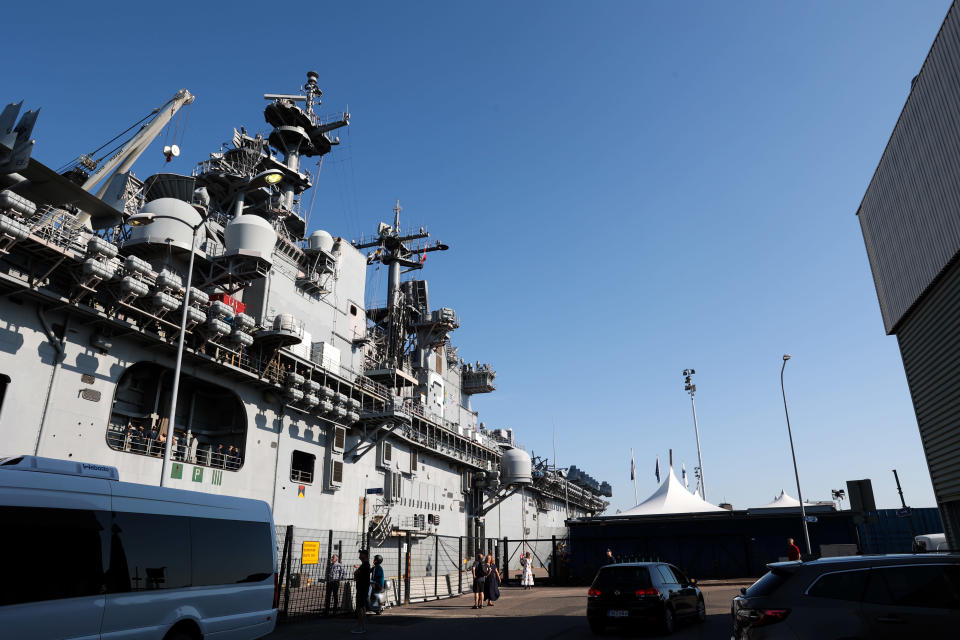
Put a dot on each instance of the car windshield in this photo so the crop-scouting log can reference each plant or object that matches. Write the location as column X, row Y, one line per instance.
column 629, row 577
column 766, row 585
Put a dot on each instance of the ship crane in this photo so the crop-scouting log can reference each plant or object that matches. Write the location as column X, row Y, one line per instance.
column 130, row 151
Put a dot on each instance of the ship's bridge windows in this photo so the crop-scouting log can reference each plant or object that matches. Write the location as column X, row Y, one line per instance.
column 301, row 466
column 210, row 428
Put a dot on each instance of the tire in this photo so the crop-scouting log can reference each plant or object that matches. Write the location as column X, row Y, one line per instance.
column 667, row 623
column 597, row 627
column 701, row 610
column 177, row 635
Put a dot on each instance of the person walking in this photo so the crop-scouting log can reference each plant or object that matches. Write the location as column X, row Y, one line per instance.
column 377, row 584
column 480, row 571
column 527, row 579
column 491, row 587
column 361, row 581
column 335, row 573
column 793, row 551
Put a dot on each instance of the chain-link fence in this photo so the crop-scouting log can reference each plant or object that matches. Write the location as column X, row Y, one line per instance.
column 416, row 567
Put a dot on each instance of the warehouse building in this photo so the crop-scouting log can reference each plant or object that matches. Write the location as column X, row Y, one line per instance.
column 910, row 218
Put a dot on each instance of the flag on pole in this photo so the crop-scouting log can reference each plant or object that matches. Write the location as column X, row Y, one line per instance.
column 657, row 470
column 633, row 470
column 683, row 468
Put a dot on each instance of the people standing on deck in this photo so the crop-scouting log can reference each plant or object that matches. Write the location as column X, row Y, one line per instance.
column 335, row 574
column 361, row 581
column 526, row 564
column 480, row 571
column 491, row 587
column 154, row 434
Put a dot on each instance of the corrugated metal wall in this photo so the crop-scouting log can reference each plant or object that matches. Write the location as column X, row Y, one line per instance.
column 885, row 531
column 930, row 346
column 909, row 214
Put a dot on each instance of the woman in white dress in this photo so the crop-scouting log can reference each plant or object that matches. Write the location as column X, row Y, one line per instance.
column 526, row 580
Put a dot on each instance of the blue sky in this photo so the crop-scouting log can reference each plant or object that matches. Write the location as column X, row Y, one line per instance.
column 628, row 188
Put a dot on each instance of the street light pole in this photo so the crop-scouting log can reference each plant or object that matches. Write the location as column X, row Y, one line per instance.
column 176, row 370
column 691, row 388
column 803, row 512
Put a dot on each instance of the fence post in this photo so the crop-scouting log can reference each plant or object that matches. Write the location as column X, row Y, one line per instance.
column 399, row 569
column 553, row 560
column 436, row 567
column 460, row 568
column 506, row 560
column 329, row 552
column 283, row 566
column 406, row 575
column 286, row 588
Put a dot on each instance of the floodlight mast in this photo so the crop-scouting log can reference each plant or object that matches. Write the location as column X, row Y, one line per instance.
column 691, row 388
column 793, row 454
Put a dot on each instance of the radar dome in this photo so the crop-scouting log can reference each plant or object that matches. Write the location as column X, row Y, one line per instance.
column 173, row 225
column 321, row 240
column 252, row 235
column 516, row 467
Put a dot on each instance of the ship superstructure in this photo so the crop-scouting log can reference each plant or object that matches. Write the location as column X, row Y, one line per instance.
column 292, row 390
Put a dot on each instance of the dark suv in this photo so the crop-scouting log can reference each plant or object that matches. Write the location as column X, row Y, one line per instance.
column 651, row 594
column 875, row 597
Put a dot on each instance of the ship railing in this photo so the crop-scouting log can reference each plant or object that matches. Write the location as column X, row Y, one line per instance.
column 217, row 460
column 56, row 226
column 299, row 475
column 125, row 440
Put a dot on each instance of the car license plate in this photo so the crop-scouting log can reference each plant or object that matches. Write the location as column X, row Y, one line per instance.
column 618, row 614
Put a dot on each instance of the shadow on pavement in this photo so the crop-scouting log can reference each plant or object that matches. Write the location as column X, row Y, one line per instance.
column 480, row 627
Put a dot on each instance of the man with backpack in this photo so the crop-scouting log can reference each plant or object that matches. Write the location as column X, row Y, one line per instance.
column 480, row 571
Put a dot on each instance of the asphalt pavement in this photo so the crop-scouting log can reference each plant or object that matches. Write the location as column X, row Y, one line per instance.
column 544, row 613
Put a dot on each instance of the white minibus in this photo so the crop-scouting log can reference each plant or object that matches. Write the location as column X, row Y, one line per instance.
column 85, row 556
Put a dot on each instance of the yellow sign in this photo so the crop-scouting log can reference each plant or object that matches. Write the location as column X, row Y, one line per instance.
column 310, row 553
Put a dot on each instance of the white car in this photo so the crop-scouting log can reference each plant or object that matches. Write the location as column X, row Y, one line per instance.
column 930, row 542
column 88, row 557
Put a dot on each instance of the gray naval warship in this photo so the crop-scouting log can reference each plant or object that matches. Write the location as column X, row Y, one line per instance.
column 293, row 390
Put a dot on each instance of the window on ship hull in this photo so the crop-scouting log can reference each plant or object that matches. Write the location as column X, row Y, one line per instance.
column 210, row 426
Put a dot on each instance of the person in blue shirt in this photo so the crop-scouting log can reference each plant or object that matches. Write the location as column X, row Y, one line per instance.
column 377, row 583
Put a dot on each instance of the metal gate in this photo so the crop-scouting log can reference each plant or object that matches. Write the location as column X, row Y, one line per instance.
column 549, row 560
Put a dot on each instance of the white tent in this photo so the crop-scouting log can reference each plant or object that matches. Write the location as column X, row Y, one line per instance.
column 788, row 504
column 671, row 497
column 782, row 501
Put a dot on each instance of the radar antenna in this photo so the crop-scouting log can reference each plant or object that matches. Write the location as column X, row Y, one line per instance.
column 393, row 251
